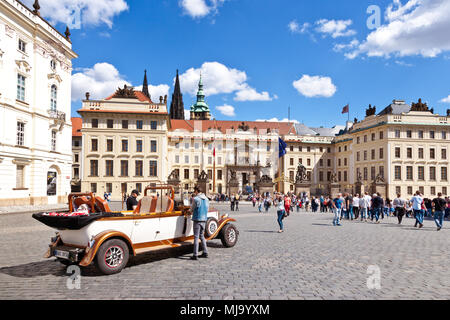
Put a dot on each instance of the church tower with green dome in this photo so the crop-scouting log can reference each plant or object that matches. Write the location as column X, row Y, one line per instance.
column 200, row 110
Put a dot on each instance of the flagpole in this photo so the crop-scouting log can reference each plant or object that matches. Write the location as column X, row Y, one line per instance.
column 214, row 160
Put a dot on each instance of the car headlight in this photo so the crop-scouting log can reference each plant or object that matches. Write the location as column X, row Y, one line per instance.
column 224, row 216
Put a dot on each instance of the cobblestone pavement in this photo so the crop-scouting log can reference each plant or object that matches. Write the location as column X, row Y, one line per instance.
column 310, row 260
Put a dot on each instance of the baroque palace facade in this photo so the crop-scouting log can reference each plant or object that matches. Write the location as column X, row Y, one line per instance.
column 128, row 142
column 35, row 104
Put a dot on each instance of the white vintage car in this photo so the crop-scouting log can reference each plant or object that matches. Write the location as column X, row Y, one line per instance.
column 109, row 238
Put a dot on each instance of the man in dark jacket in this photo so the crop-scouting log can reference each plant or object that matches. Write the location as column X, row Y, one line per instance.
column 377, row 206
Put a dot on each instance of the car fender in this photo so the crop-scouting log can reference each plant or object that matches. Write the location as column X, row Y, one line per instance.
column 222, row 223
column 99, row 239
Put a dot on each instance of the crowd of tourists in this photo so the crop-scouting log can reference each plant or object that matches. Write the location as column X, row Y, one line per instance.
column 362, row 207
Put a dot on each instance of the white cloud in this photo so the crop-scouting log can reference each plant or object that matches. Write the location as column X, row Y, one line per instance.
column 419, row 27
column 446, row 100
column 219, row 79
column 294, row 27
column 103, row 79
column 277, row 120
column 200, row 8
column 315, row 86
column 335, row 28
column 226, row 110
column 90, row 12
column 250, row 94
column 340, row 47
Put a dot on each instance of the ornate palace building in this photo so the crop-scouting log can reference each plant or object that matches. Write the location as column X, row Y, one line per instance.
column 35, row 107
column 128, row 141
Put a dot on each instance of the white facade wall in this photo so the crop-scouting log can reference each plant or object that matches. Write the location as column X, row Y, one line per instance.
column 42, row 45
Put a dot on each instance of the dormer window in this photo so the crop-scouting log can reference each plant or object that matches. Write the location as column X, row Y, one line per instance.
column 22, row 45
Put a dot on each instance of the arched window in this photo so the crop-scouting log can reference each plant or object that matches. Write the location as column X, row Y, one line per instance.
column 53, row 97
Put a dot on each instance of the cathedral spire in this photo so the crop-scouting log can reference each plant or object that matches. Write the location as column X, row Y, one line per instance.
column 177, row 105
column 145, row 85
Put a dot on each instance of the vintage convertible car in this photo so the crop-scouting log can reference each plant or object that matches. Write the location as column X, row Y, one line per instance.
column 109, row 238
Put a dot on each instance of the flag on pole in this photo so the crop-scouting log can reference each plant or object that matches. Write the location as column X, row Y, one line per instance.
column 282, row 148
column 345, row 109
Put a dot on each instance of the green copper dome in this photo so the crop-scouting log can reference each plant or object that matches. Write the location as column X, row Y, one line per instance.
column 200, row 105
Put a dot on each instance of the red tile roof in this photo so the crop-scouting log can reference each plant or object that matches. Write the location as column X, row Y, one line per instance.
column 283, row 128
column 77, row 123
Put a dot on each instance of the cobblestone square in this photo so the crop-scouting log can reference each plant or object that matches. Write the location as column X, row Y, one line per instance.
column 310, row 260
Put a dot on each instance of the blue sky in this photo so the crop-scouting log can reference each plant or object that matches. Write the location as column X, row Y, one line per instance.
column 251, row 52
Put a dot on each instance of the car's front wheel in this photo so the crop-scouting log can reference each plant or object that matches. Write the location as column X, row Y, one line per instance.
column 229, row 235
column 112, row 256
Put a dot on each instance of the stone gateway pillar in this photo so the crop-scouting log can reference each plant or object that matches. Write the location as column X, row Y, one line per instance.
column 202, row 182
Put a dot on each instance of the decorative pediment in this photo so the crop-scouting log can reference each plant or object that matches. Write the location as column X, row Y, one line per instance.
column 23, row 66
column 54, row 76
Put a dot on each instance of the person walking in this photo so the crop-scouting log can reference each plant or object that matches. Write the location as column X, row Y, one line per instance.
column 364, row 204
column 349, row 206
column 232, row 202
column 356, row 206
column 377, row 206
column 336, row 206
column 279, row 204
column 400, row 207
column 439, row 205
column 260, row 204
column 236, row 202
column 287, row 205
column 199, row 208
column 417, row 202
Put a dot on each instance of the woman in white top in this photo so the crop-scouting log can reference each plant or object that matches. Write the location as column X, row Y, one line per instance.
column 356, row 206
column 279, row 204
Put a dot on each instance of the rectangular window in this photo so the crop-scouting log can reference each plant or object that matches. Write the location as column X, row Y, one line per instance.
column 138, row 145
column 381, row 135
column 443, row 154
column 109, row 187
column 397, row 133
column 321, row 162
column 196, row 159
column 139, row 168
column 94, row 168
column 94, row 145
column 177, row 159
column 433, row 190
column 219, row 174
column 420, row 134
column 20, row 87
column 358, row 158
column 153, row 146
column 124, row 145
column 345, row 175
column 432, row 154
column 139, row 124
column 339, row 162
column 409, row 153
column 53, row 140
column 109, row 145
column 408, row 133
column 153, row 125
column 186, row 159
column 210, row 174
column 291, row 161
column 373, row 154
column 373, row 136
column 110, row 123
column 20, row 133
column 109, row 165
column 444, row 173
column 20, row 177
column 397, row 152
column 444, row 135
column 365, row 155
column 398, row 173
column 433, row 173
column 76, row 158
column 308, row 162
column 22, row 45
column 124, row 168
column 421, row 173
column 410, row 190
column 320, row 175
column 76, row 173
column 358, row 140
column 328, row 162
column 94, row 123
column 372, row 173
column 381, row 153
column 420, row 153
column 444, row 190
column 366, row 174
column 153, row 168
column 196, row 173
column 124, row 124
column 409, row 173
column 186, row 174
column 432, row 135
column 139, row 187
column 381, row 171
column 93, row 187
